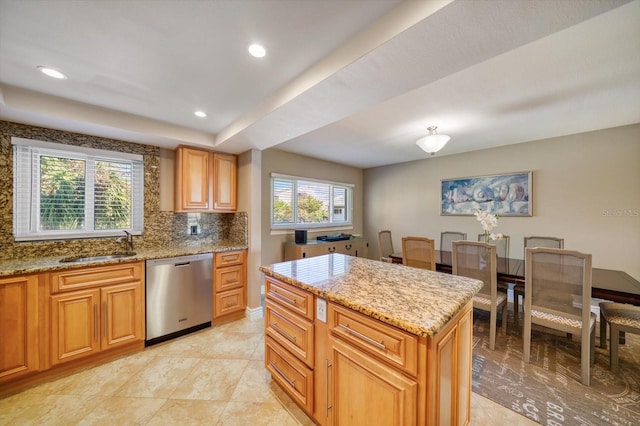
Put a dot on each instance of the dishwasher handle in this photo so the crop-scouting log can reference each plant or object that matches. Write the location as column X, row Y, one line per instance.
column 178, row 265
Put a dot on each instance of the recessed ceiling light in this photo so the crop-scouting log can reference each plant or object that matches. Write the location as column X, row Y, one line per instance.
column 200, row 114
column 257, row 50
column 52, row 73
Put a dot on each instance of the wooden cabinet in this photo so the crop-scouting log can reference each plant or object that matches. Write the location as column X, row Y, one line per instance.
column 205, row 181
column 354, row 369
column 96, row 309
column 358, row 247
column 18, row 326
column 289, row 342
column 229, row 283
column 225, row 182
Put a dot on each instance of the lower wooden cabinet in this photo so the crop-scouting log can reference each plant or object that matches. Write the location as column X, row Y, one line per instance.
column 364, row 371
column 229, row 283
column 362, row 387
column 19, row 352
column 85, row 322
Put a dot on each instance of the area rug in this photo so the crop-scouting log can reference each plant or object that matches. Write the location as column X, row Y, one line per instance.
column 548, row 389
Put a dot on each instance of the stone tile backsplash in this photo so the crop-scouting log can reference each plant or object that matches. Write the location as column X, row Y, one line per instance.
column 160, row 227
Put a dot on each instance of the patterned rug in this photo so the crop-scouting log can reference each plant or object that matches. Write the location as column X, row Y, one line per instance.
column 548, row 390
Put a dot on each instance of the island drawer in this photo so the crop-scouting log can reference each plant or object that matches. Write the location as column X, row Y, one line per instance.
column 294, row 376
column 384, row 341
column 292, row 298
column 291, row 331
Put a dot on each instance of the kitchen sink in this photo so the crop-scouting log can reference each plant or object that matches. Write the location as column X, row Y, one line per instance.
column 96, row 258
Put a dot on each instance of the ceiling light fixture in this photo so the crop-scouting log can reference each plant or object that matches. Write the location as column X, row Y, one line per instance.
column 51, row 72
column 257, row 50
column 200, row 114
column 433, row 142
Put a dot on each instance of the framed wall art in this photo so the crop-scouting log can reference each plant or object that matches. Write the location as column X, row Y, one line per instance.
column 505, row 195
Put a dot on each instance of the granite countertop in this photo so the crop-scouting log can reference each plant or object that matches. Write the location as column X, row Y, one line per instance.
column 52, row 263
column 415, row 300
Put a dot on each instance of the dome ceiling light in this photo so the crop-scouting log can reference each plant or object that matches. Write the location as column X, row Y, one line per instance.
column 51, row 72
column 433, row 142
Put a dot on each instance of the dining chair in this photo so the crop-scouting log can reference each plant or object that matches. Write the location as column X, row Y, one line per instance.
column 558, row 296
column 419, row 252
column 386, row 245
column 478, row 260
column 502, row 246
column 518, row 288
column 447, row 237
column 621, row 317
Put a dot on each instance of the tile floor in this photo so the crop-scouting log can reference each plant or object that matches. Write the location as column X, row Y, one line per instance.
column 213, row 377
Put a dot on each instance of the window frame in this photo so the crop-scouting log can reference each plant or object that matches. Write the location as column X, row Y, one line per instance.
column 26, row 189
column 348, row 208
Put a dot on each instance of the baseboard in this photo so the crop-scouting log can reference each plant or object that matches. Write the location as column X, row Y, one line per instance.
column 255, row 313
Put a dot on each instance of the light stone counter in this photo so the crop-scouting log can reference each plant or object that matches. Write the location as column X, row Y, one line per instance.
column 415, row 300
column 43, row 264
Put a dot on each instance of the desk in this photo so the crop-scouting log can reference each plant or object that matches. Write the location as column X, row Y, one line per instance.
column 617, row 286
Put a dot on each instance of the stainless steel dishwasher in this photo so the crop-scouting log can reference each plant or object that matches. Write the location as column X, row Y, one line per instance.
column 179, row 296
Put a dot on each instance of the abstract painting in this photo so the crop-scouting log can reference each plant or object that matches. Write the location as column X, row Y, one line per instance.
column 504, row 195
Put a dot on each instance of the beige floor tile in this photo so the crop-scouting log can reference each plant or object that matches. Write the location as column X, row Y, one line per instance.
column 254, row 385
column 256, row 413
column 46, row 409
column 188, row 412
column 211, row 379
column 113, row 410
column 159, row 378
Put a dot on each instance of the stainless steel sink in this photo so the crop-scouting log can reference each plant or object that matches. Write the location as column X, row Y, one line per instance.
column 96, row 258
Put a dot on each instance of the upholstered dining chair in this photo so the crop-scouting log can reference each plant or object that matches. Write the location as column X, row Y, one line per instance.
column 518, row 289
column 419, row 252
column 558, row 296
column 386, row 245
column 478, row 260
column 447, row 237
column 621, row 317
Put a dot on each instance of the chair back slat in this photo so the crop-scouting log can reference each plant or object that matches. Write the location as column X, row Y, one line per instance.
column 385, row 243
column 447, row 237
column 419, row 252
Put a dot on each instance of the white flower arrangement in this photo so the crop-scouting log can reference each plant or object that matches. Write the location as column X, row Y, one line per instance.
column 488, row 222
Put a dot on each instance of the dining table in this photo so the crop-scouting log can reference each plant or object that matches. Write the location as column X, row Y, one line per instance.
column 609, row 284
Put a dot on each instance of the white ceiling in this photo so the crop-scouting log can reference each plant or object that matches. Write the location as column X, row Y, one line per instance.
column 356, row 82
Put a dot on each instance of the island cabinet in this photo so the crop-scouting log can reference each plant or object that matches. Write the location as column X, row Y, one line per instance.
column 229, row 283
column 96, row 309
column 205, row 181
column 344, row 367
column 19, row 317
column 358, row 247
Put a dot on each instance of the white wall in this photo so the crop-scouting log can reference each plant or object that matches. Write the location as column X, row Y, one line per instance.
column 276, row 161
column 586, row 189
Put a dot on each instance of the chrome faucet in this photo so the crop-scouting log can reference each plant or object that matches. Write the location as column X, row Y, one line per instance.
column 128, row 241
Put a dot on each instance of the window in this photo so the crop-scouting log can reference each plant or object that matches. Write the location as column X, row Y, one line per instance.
column 301, row 201
column 65, row 191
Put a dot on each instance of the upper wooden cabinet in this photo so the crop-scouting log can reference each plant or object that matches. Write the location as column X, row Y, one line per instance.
column 205, row 181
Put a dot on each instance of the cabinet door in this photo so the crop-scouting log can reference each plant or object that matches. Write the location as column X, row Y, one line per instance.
column 225, row 169
column 74, row 325
column 18, row 326
column 193, row 179
column 122, row 315
column 228, row 278
column 227, row 302
column 362, row 390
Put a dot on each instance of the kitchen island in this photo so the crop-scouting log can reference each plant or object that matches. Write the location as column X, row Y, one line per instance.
column 354, row 340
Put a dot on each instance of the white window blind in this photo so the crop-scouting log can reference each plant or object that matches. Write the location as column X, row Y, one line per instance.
column 64, row 191
column 308, row 202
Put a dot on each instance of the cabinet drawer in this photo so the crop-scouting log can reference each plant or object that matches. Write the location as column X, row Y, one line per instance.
column 292, row 375
column 227, row 258
column 291, row 331
column 382, row 340
column 296, row 300
column 227, row 302
column 73, row 279
column 228, row 278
